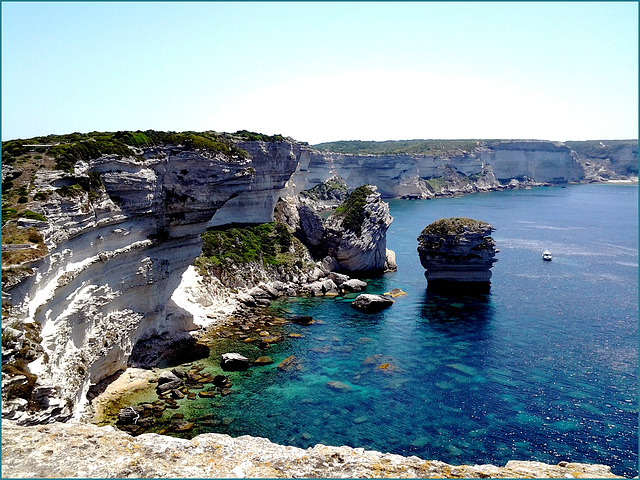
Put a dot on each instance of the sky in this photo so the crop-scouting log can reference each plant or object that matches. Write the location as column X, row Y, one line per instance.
column 323, row 71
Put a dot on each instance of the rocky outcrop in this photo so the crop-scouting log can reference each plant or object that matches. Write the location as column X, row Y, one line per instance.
column 607, row 160
column 120, row 253
column 355, row 234
column 457, row 251
column 75, row 450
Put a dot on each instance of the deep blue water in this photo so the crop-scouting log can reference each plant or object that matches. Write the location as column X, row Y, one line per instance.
column 544, row 367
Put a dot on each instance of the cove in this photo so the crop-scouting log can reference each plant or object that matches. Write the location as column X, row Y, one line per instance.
column 544, row 367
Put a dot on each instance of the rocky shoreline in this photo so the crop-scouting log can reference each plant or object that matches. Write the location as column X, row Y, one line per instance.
column 118, row 284
column 78, row 450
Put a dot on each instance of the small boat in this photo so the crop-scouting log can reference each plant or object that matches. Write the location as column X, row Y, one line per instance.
column 546, row 255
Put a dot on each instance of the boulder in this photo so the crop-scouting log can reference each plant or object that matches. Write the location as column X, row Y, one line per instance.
column 233, row 362
column 315, row 289
column 329, row 287
column 371, row 303
column 390, row 262
column 353, row 285
column 264, row 360
column 129, row 415
column 221, row 381
column 338, row 278
column 167, row 381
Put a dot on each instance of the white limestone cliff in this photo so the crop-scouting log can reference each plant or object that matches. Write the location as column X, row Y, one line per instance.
column 116, row 261
column 489, row 166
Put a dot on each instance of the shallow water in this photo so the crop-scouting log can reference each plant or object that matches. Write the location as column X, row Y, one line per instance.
column 544, row 367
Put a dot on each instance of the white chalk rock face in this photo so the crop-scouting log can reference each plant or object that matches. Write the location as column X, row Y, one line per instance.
column 356, row 236
column 116, row 261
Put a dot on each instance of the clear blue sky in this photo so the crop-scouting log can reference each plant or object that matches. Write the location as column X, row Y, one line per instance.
column 323, row 71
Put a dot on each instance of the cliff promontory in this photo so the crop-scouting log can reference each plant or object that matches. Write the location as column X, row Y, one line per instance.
column 122, row 229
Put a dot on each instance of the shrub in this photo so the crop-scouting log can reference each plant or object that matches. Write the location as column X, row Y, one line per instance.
column 75, row 190
column 246, row 244
column 43, row 196
column 353, row 209
column 247, row 135
column 8, row 214
column 32, row 215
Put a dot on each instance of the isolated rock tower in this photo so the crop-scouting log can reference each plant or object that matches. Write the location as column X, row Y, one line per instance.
column 457, row 253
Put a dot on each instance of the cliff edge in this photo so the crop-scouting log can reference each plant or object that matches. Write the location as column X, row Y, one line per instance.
column 73, row 450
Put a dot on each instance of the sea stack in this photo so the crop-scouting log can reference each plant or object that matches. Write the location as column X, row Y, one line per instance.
column 457, row 253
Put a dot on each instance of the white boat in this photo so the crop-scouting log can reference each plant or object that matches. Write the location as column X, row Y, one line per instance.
column 546, row 255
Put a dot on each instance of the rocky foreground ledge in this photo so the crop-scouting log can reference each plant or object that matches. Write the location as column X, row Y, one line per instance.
column 64, row 450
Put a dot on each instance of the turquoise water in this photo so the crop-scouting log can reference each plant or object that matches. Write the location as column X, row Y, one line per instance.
column 544, row 367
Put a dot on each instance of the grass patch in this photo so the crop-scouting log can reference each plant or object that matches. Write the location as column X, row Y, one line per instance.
column 11, row 234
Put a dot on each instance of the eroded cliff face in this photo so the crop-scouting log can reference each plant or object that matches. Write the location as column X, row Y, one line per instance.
column 489, row 166
column 117, row 258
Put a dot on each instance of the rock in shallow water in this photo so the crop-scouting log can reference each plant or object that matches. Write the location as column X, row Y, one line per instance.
column 234, row 362
column 371, row 303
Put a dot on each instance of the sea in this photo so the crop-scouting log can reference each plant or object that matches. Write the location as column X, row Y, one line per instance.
column 543, row 367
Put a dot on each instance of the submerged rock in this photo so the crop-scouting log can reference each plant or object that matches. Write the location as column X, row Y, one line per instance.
column 395, row 292
column 264, row 360
column 339, row 386
column 371, row 303
column 289, row 364
column 457, row 251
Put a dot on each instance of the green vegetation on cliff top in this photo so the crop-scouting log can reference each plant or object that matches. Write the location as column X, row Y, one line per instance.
column 397, row 147
column 601, row 148
column 70, row 148
column 591, row 148
column 456, row 226
column 352, row 210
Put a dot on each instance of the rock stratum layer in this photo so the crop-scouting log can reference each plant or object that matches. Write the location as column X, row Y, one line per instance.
column 73, row 450
column 116, row 261
column 457, row 251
